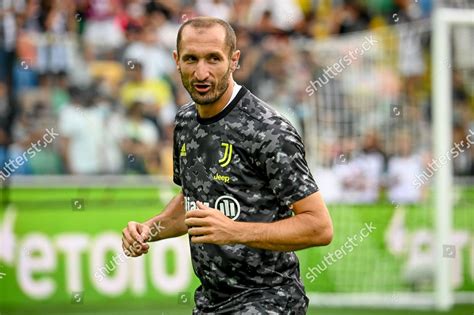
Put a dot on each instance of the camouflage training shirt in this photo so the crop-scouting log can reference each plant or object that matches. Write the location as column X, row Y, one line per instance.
column 249, row 163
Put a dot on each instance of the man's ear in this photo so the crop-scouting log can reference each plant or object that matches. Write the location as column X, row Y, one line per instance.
column 235, row 60
column 176, row 59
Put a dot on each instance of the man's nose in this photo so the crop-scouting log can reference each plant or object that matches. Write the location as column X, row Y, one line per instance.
column 202, row 71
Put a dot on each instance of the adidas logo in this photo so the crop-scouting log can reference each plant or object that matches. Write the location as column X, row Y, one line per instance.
column 183, row 150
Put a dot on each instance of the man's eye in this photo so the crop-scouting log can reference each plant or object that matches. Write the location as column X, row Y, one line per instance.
column 190, row 59
column 215, row 59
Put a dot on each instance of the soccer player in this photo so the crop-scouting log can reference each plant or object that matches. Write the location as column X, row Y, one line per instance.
column 248, row 199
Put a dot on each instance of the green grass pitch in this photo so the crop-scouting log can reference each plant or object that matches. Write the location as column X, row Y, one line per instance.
column 369, row 268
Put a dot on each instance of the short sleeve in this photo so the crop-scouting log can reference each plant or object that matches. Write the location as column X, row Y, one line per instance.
column 282, row 158
column 176, row 154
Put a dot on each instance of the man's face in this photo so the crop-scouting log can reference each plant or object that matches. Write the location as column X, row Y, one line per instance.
column 204, row 63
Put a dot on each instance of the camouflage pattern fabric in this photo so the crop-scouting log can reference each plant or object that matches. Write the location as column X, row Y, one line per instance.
column 248, row 162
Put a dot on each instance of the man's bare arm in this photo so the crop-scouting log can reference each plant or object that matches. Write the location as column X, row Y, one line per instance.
column 170, row 222
column 310, row 226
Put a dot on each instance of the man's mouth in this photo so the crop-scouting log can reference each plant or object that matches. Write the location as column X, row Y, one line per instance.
column 202, row 87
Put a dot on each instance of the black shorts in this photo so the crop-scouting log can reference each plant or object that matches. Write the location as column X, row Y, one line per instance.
column 288, row 305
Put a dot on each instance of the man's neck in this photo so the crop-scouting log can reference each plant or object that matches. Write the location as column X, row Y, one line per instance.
column 210, row 110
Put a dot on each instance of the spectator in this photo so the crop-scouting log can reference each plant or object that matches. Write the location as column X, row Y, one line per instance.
column 333, row 188
column 25, row 70
column 275, row 15
column 140, row 142
column 157, row 61
column 402, row 170
column 360, row 172
column 113, row 122
column 47, row 160
column 133, row 15
column 30, row 129
column 8, row 36
column 372, row 147
column 103, row 33
column 134, row 39
column 82, row 130
column 166, row 29
column 350, row 17
column 155, row 94
column 215, row 8
column 6, row 119
column 411, row 61
column 462, row 162
column 250, row 60
column 55, row 23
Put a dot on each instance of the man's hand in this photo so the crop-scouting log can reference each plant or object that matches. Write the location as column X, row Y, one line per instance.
column 134, row 238
column 209, row 225
column 169, row 223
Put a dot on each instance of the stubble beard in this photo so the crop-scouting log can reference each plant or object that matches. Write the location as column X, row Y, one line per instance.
column 214, row 94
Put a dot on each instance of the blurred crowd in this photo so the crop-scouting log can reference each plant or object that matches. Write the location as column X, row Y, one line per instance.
column 101, row 72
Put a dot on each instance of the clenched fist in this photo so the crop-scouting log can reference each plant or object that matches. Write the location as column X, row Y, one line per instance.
column 208, row 225
column 134, row 238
